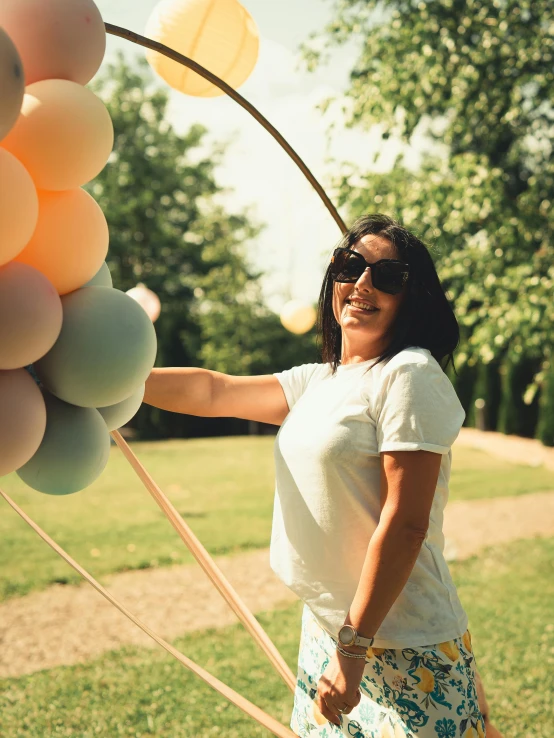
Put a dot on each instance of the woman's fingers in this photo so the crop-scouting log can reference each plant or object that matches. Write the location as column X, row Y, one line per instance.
column 328, row 711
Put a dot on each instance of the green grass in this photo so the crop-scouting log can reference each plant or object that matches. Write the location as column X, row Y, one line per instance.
column 223, row 487
column 509, row 595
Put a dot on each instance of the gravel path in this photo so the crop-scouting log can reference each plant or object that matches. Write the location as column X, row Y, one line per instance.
column 66, row 625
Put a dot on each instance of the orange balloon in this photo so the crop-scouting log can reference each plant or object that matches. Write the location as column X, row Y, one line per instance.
column 32, row 315
column 57, row 39
column 63, row 136
column 18, row 206
column 70, row 241
column 22, row 419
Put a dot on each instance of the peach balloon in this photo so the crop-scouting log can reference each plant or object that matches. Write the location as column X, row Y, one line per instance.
column 63, row 136
column 18, row 207
column 57, row 39
column 32, row 315
column 221, row 36
column 22, row 419
column 70, row 241
column 12, row 83
column 148, row 300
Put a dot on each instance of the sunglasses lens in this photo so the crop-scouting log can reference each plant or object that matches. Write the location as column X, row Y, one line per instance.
column 346, row 266
column 390, row 277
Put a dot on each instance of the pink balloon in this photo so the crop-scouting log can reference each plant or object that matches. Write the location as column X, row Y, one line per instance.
column 31, row 311
column 22, row 419
column 56, row 39
column 148, row 300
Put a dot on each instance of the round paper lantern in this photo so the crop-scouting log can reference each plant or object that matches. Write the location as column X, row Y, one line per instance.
column 63, row 136
column 12, row 83
column 73, row 453
column 106, row 349
column 102, row 278
column 70, row 241
column 147, row 299
column 18, row 207
column 57, row 39
column 22, row 419
column 298, row 317
column 31, row 315
column 221, row 36
column 115, row 416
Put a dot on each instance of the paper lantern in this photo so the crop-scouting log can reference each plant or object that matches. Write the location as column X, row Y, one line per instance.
column 298, row 317
column 56, row 39
column 12, row 83
column 102, row 278
column 18, row 207
column 118, row 415
column 63, row 136
column 221, row 36
column 31, row 312
column 22, row 419
column 73, row 453
column 105, row 351
column 147, row 299
column 70, row 241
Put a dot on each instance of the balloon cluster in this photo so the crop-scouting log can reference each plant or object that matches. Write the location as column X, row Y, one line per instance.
column 91, row 347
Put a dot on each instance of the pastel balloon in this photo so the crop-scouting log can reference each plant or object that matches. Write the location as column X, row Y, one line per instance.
column 18, row 207
column 57, row 39
column 102, row 278
column 70, row 241
column 298, row 317
column 22, row 419
column 73, row 453
column 115, row 416
column 63, row 136
column 106, row 349
column 12, row 83
column 221, row 36
column 31, row 315
column 148, row 300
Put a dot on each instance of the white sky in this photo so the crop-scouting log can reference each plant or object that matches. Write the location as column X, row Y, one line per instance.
column 300, row 233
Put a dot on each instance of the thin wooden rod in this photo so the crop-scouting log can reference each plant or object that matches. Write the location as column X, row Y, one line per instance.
column 203, row 72
column 221, row 583
column 241, row 702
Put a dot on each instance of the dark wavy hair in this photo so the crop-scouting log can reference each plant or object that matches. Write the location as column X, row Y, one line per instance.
column 426, row 318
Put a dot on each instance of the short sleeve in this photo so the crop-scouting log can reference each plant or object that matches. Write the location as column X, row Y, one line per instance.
column 418, row 409
column 295, row 381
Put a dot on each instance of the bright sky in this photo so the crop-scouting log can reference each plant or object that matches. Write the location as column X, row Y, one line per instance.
column 300, row 233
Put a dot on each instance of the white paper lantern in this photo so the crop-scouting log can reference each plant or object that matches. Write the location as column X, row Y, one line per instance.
column 147, row 299
column 298, row 317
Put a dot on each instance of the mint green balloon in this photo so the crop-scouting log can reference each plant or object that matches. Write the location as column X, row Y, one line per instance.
column 73, row 453
column 102, row 278
column 105, row 350
column 118, row 415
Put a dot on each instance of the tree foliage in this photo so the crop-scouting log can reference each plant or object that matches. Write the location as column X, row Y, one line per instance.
column 477, row 77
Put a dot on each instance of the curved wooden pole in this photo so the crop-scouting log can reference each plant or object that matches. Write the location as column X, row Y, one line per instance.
column 245, row 705
column 203, row 72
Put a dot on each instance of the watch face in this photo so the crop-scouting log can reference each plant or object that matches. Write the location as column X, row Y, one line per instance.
column 347, row 635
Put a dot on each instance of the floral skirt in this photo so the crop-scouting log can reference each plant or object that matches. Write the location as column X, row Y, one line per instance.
column 423, row 692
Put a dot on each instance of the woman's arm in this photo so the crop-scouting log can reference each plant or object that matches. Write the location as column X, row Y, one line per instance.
column 408, row 483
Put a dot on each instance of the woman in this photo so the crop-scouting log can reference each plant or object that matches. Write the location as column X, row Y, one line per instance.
column 362, row 464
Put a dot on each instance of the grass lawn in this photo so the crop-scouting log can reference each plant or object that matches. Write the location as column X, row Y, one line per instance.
column 223, row 487
column 509, row 595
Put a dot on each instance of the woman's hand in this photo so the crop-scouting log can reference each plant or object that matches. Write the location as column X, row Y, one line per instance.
column 338, row 690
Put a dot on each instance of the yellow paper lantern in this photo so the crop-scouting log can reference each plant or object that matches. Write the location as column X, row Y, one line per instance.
column 221, row 36
column 298, row 317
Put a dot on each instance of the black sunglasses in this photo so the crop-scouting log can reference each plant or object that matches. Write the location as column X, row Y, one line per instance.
column 387, row 275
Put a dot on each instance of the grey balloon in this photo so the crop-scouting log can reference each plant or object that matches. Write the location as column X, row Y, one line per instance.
column 73, row 453
column 102, row 278
column 117, row 415
column 106, row 349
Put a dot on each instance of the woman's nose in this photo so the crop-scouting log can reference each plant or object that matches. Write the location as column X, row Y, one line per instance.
column 364, row 280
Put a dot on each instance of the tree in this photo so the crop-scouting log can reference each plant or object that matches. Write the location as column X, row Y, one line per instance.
column 478, row 77
column 169, row 230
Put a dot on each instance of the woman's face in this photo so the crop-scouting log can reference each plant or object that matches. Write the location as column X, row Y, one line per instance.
column 364, row 328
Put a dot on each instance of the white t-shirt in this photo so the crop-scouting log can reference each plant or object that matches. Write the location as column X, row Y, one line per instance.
column 327, row 497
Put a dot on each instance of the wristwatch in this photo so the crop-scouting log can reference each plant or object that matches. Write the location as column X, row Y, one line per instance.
column 348, row 636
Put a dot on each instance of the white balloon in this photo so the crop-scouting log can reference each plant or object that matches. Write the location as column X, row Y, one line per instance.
column 147, row 299
column 298, row 317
